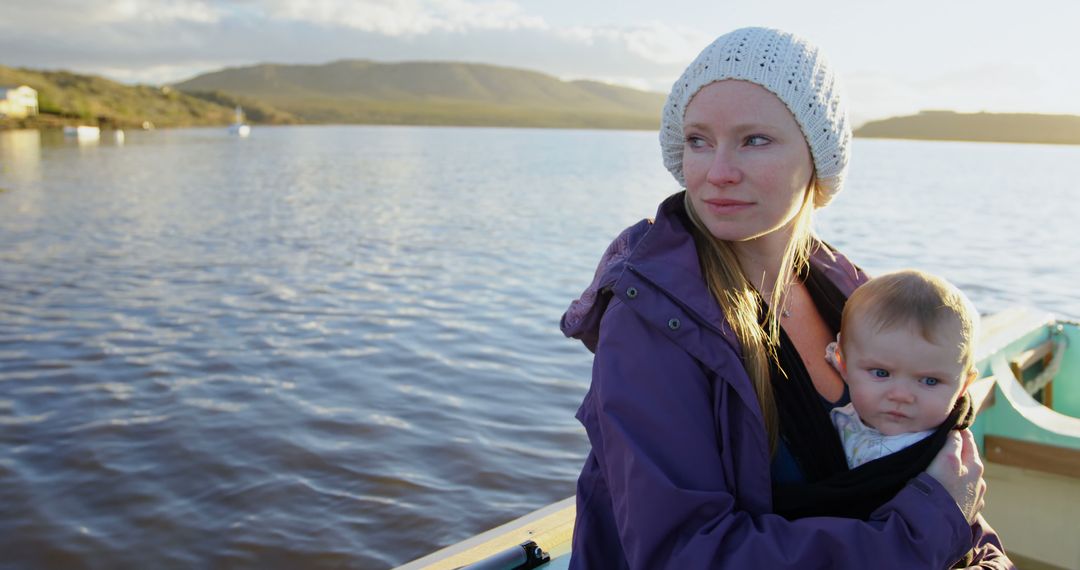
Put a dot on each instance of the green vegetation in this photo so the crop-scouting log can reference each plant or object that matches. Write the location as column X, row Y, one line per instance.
column 461, row 113
column 432, row 93
column 416, row 93
column 254, row 111
column 67, row 98
column 428, row 93
column 988, row 127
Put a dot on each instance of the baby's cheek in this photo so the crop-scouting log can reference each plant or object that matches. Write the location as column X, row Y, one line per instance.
column 947, row 408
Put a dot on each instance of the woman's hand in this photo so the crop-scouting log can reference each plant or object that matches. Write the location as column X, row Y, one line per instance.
column 958, row 468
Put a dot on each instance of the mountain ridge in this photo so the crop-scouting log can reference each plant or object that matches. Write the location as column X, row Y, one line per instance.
column 430, row 92
column 977, row 127
column 364, row 91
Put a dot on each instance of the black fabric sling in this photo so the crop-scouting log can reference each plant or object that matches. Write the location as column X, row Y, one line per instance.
column 804, row 422
column 855, row 493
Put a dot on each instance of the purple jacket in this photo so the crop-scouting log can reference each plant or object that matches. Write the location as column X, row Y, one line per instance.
column 679, row 472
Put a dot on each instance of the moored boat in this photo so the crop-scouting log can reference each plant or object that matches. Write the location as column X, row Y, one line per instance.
column 1028, row 430
column 83, row 132
column 239, row 127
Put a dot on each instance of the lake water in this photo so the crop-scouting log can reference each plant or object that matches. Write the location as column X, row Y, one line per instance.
column 339, row 346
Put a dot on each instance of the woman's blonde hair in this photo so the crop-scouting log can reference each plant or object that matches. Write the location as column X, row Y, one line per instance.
column 741, row 302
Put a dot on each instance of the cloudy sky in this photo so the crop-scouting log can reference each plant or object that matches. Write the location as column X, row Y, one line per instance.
column 895, row 56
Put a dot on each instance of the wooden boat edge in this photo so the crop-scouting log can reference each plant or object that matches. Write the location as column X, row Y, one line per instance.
column 551, row 527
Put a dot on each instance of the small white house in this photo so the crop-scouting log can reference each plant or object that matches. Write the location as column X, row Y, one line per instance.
column 18, row 102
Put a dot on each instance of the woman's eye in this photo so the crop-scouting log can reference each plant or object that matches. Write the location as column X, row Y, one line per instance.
column 694, row 141
column 931, row 381
column 757, row 140
column 879, row 373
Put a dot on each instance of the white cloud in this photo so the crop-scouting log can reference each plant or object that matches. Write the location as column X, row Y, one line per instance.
column 122, row 11
column 406, row 17
column 154, row 74
column 657, row 43
column 623, row 80
column 50, row 16
column 497, row 15
column 155, row 41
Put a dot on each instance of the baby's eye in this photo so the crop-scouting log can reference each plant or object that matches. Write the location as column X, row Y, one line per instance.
column 879, row 373
column 931, row 381
column 757, row 140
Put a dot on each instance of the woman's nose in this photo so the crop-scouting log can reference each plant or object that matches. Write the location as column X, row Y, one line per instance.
column 723, row 171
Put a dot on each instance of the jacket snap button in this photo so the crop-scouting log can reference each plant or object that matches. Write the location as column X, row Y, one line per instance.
column 673, row 324
column 631, row 292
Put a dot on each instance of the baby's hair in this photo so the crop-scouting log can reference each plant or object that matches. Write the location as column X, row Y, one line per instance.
column 917, row 299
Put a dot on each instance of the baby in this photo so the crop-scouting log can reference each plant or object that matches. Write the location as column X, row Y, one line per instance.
column 906, row 351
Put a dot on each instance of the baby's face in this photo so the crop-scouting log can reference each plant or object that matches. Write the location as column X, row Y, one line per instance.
column 900, row 382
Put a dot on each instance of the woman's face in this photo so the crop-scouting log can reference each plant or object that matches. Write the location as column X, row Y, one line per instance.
column 746, row 163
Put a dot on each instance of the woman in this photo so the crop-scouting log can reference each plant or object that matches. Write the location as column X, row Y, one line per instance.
column 709, row 327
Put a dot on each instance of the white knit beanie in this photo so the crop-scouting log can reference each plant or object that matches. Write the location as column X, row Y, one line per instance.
column 786, row 65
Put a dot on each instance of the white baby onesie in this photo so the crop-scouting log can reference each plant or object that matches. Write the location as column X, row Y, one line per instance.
column 863, row 443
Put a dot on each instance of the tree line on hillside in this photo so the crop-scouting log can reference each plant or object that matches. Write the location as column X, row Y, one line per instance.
column 66, row 98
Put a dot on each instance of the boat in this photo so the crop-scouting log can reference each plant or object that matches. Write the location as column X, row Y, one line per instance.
column 1028, row 429
column 83, row 132
column 239, row 127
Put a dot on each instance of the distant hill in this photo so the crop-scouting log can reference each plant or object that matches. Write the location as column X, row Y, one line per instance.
column 70, row 98
column 988, row 127
column 433, row 93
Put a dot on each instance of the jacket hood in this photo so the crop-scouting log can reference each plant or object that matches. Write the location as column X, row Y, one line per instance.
column 582, row 319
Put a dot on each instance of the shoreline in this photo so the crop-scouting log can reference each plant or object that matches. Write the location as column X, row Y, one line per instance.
column 60, row 123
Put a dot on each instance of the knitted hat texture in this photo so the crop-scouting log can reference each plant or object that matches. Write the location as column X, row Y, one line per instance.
column 788, row 66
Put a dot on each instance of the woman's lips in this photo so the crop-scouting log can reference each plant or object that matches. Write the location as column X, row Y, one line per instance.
column 726, row 206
